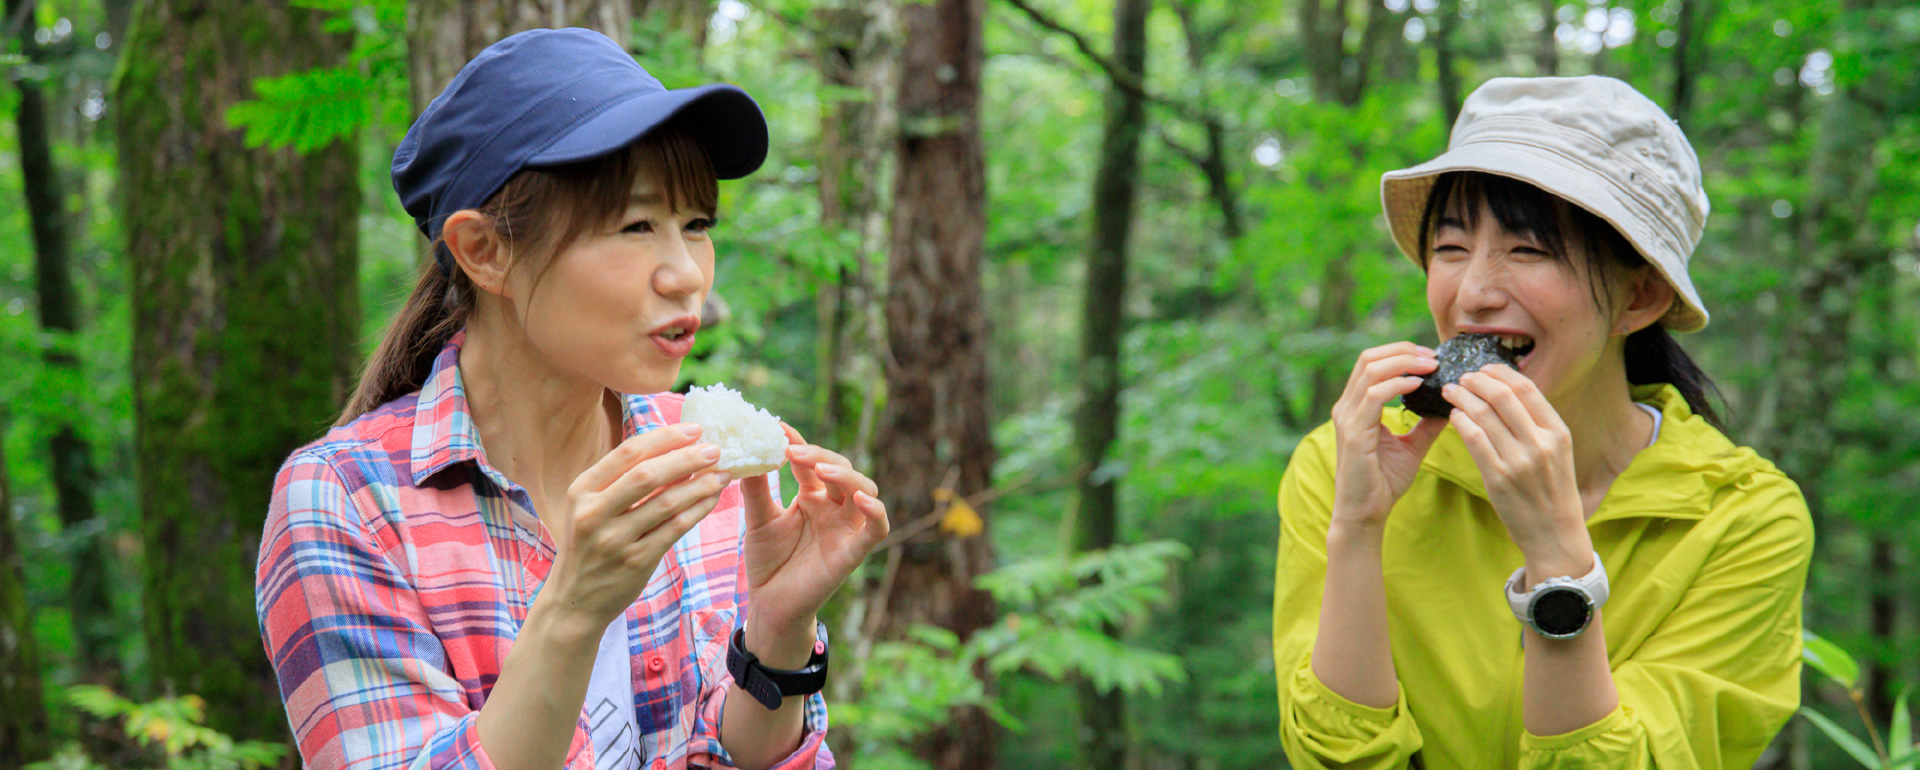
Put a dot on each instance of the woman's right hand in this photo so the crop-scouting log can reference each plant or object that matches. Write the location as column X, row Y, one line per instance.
column 1373, row 465
column 624, row 514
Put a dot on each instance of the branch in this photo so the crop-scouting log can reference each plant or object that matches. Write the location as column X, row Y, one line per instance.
column 1193, row 156
column 1120, row 77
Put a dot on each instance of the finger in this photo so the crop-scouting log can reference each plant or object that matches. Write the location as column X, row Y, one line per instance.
column 633, row 524
column 1529, row 393
column 661, row 538
column 875, row 514
column 1370, row 355
column 1499, row 395
column 846, row 479
column 1378, row 395
column 1476, row 440
column 1421, row 437
column 636, row 448
column 1484, row 418
column 760, row 504
column 656, row 473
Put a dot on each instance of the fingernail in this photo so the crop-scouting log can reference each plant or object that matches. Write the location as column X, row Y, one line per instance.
column 710, row 452
column 1426, row 351
column 691, row 429
column 829, row 470
column 1429, row 361
column 799, row 452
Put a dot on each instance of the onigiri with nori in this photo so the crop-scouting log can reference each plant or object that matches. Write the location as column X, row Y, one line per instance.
column 751, row 440
column 1460, row 355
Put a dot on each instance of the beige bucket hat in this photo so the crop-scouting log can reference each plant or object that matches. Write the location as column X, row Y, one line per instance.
column 1593, row 141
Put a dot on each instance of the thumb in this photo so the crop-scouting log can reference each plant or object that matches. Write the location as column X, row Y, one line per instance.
column 1421, row 438
column 760, row 505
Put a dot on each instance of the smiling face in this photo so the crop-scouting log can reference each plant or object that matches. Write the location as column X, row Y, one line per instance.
column 1559, row 286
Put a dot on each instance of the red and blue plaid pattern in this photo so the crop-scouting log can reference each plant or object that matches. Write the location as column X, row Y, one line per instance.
column 397, row 567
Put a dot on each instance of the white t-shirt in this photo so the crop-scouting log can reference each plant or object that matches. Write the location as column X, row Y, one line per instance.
column 1656, row 421
column 611, row 721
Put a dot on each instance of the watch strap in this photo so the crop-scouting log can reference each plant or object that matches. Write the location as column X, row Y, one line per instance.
column 770, row 685
column 1594, row 583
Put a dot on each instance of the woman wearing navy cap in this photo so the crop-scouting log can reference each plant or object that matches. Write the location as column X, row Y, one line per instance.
column 504, row 556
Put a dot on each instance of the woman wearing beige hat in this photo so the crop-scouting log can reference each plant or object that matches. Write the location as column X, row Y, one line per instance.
column 1441, row 579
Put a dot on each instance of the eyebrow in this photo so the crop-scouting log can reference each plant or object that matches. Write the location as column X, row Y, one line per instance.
column 1450, row 222
column 650, row 196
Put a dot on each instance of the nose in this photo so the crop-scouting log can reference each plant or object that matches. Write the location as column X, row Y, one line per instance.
column 679, row 274
column 1482, row 287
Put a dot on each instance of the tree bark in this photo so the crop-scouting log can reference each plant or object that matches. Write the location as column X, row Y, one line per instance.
column 1103, row 735
column 850, row 54
column 89, row 602
column 1448, row 77
column 1546, row 53
column 24, row 729
column 246, row 326
column 936, row 413
column 1684, row 64
column 442, row 35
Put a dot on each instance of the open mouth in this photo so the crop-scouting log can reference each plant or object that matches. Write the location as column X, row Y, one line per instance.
column 673, row 333
column 1519, row 345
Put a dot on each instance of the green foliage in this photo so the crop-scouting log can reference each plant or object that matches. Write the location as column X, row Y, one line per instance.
column 312, row 109
column 1839, row 667
column 174, row 725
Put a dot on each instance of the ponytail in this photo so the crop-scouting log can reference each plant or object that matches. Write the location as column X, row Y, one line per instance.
column 1654, row 356
column 437, row 309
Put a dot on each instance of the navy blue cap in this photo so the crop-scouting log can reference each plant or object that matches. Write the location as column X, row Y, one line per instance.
column 551, row 96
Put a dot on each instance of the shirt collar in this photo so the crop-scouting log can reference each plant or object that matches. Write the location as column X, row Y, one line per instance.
column 1677, row 477
column 443, row 431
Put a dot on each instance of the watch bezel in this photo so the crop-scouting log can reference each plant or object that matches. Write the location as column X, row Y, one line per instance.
column 1556, row 587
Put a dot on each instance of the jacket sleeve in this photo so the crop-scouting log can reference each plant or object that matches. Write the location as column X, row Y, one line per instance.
column 1721, row 674
column 1318, row 727
column 365, row 680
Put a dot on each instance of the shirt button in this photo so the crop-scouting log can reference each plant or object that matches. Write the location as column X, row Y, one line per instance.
column 656, row 664
column 819, row 647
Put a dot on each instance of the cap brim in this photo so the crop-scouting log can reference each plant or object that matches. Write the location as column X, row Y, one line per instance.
column 724, row 118
column 1405, row 192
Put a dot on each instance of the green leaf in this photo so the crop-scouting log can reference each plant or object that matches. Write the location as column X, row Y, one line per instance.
column 1845, row 740
column 1900, row 733
column 306, row 110
column 1829, row 659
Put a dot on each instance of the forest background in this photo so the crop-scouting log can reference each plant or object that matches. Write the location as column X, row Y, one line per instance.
column 1069, row 277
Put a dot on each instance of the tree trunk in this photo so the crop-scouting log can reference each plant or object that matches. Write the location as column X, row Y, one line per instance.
column 442, row 35
column 1546, row 53
column 936, row 413
column 246, row 326
column 1448, row 77
column 850, row 57
column 1103, row 735
column 89, row 602
column 1684, row 64
column 24, row 735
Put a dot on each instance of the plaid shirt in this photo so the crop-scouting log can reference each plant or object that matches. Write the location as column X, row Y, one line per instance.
column 397, row 566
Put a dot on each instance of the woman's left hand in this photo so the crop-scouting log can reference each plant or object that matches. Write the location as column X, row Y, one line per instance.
column 798, row 556
column 1525, row 455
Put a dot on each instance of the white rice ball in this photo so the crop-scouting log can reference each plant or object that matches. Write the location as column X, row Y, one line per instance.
column 750, row 440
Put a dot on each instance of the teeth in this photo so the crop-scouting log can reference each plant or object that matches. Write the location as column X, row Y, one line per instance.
column 673, row 333
column 1515, row 342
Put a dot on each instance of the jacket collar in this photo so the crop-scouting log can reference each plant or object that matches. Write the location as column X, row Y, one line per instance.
column 1678, row 477
column 443, row 430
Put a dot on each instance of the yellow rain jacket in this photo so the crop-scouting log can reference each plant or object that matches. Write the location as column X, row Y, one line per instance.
column 1706, row 546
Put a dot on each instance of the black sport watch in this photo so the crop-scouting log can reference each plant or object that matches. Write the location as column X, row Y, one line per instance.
column 770, row 685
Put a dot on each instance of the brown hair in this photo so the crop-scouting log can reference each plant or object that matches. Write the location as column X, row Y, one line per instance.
column 538, row 214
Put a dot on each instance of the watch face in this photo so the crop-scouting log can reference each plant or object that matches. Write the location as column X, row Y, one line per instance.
column 1561, row 612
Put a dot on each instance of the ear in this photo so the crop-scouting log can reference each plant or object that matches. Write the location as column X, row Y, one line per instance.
column 477, row 250
column 1649, row 297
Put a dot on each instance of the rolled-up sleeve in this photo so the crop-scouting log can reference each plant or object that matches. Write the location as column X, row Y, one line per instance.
column 365, row 680
column 1318, row 727
column 1721, row 675
column 707, row 751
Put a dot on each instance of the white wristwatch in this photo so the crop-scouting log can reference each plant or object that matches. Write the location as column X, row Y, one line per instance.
column 1559, row 607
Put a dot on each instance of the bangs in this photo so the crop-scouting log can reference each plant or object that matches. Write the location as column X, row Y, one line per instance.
column 1530, row 212
column 594, row 194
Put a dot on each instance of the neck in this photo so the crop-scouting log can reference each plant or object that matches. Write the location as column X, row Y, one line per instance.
column 540, row 426
column 1607, row 429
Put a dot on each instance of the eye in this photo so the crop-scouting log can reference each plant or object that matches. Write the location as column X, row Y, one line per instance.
column 700, row 225
column 1530, row 253
column 642, row 226
column 1449, row 251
